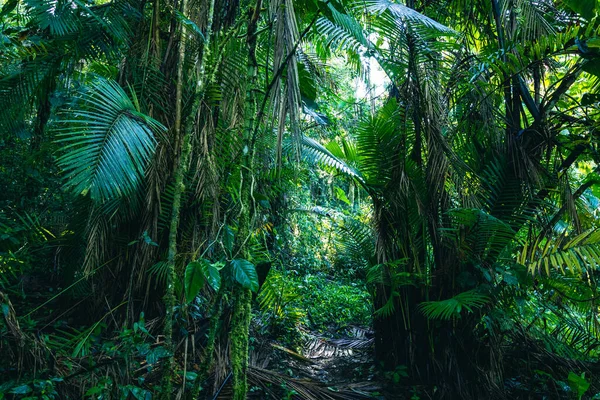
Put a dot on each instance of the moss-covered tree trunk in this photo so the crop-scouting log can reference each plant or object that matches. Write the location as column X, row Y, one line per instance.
column 180, row 170
column 240, row 324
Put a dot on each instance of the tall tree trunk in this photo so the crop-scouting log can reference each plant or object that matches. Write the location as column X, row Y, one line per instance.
column 242, row 297
column 181, row 163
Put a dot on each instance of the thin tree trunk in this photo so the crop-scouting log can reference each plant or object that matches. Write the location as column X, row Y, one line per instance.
column 180, row 169
column 242, row 297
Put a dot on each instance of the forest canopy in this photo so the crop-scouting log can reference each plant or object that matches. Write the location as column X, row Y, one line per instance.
column 279, row 199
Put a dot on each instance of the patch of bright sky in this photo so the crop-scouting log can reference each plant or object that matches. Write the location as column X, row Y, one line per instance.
column 378, row 80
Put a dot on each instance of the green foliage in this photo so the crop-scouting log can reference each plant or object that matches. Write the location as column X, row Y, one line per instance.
column 452, row 307
column 194, row 279
column 586, row 8
column 317, row 153
column 452, row 154
column 44, row 389
column 244, row 273
column 289, row 300
column 579, row 385
column 58, row 16
column 280, row 316
column 578, row 254
column 198, row 272
column 329, row 304
column 107, row 143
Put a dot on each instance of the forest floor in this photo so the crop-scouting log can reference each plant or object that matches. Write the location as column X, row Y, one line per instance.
column 324, row 368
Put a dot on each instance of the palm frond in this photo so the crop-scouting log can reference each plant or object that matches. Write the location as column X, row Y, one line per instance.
column 577, row 254
column 315, row 152
column 58, row 16
column 356, row 241
column 452, row 307
column 480, row 235
column 403, row 15
column 106, row 142
column 342, row 32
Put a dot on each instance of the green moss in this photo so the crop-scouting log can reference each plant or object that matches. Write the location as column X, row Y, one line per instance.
column 240, row 326
column 215, row 325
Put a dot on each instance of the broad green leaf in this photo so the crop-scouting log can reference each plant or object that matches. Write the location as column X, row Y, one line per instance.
column 585, row 8
column 308, row 88
column 592, row 66
column 211, row 274
column 228, row 238
column 589, row 99
column 93, row 390
column 245, row 274
column 156, row 354
column 8, row 7
column 194, row 280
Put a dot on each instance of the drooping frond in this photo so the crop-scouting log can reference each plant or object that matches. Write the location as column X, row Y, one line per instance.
column 58, row 16
column 378, row 141
column 577, row 255
column 480, row 235
column 106, row 142
column 403, row 14
column 342, row 32
column 315, row 152
column 356, row 241
column 452, row 307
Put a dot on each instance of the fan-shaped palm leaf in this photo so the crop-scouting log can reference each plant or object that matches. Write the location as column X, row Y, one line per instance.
column 403, row 15
column 56, row 15
column 107, row 142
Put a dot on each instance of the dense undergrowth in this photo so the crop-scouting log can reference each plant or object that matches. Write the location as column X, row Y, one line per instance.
column 318, row 302
column 299, row 199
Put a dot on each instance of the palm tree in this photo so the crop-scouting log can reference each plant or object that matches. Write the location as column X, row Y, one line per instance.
column 449, row 208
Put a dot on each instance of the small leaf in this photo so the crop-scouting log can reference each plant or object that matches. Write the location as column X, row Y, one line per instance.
column 189, row 24
column 22, row 389
column 148, row 239
column 190, row 376
column 194, row 280
column 93, row 390
column 578, row 384
column 245, row 273
column 341, row 195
